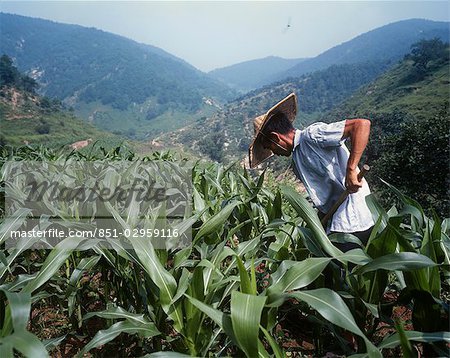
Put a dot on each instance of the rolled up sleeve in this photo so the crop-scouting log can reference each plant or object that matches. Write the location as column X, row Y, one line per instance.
column 326, row 134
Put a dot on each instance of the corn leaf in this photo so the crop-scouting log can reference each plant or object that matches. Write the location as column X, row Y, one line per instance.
column 216, row 222
column 403, row 261
column 161, row 277
column 221, row 319
column 13, row 223
column 245, row 315
column 425, row 337
column 26, row 343
column 104, row 336
column 277, row 350
column 298, row 275
column 53, row 262
column 307, row 213
column 331, row 307
column 118, row 313
column 246, row 286
column 19, row 308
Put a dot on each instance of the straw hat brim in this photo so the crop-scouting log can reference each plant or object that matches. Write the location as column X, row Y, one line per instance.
column 256, row 152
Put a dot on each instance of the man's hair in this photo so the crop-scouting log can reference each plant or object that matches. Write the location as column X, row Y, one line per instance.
column 278, row 123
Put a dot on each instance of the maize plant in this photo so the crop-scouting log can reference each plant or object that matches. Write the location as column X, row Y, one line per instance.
column 258, row 256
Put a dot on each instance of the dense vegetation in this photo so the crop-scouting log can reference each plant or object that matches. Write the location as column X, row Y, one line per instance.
column 259, row 278
column 10, row 76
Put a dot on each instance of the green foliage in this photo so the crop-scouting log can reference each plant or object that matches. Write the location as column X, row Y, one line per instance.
column 417, row 151
column 10, row 76
column 426, row 54
column 209, row 298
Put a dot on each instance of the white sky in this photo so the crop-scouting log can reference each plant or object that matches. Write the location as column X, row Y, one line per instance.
column 214, row 34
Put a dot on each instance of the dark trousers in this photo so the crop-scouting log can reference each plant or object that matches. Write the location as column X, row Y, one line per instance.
column 363, row 236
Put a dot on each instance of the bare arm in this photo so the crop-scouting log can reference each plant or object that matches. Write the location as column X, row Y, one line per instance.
column 358, row 131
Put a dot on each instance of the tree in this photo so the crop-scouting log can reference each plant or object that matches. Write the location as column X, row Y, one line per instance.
column 425, row 53
column 416, row 160
column 9, row 75
column 28, row 84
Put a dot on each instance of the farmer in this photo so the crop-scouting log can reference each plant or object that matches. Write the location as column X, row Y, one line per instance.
column 321, row 161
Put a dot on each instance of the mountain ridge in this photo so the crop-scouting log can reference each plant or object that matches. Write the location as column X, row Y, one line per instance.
column 395, row 38
column 248, row 75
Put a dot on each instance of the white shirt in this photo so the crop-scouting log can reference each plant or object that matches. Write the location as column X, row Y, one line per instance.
column 320, row 162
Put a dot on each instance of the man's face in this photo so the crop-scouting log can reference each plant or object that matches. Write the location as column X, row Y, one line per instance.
column 275, row 143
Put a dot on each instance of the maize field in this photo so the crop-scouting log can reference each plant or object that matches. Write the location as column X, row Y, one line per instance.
column 260, row 278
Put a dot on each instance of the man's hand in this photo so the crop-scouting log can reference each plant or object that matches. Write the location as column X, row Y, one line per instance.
column 352, row 182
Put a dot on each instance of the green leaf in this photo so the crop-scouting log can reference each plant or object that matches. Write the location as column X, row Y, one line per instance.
column 161, row 277
column 53, row 262
column 216, row 222
column 20, row 307
column 403, row 261
column 246, row 316
column 298, row 275
column 221, row 319
column 307, row 213
column 85, row 264
column 277, row 350
column 395, row 339
column 331, row 307
column 404, row 342
column 356, row 256
column 246, row 286
column 104, row 336
column 26, row 343
column 118, row 313
column 13, row 223
column 51, row 343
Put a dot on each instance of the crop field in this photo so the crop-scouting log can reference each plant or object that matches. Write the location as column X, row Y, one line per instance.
column 259, row 277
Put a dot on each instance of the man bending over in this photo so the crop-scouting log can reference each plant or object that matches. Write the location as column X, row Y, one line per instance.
column 321, row 161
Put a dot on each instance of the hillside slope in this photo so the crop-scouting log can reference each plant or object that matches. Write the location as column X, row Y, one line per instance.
column 390, row 42
column 29, row 119
column 108, row 78
column 402, row 90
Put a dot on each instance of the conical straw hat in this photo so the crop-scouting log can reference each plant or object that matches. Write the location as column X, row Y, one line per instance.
column 256, row 151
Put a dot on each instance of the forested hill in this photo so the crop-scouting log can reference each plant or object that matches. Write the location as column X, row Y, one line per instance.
column 82, row 65
column 418, row 87
column 226, row 135
column 389, row 42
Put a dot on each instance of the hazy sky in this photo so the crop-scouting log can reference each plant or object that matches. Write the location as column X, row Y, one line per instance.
column 213, row 34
